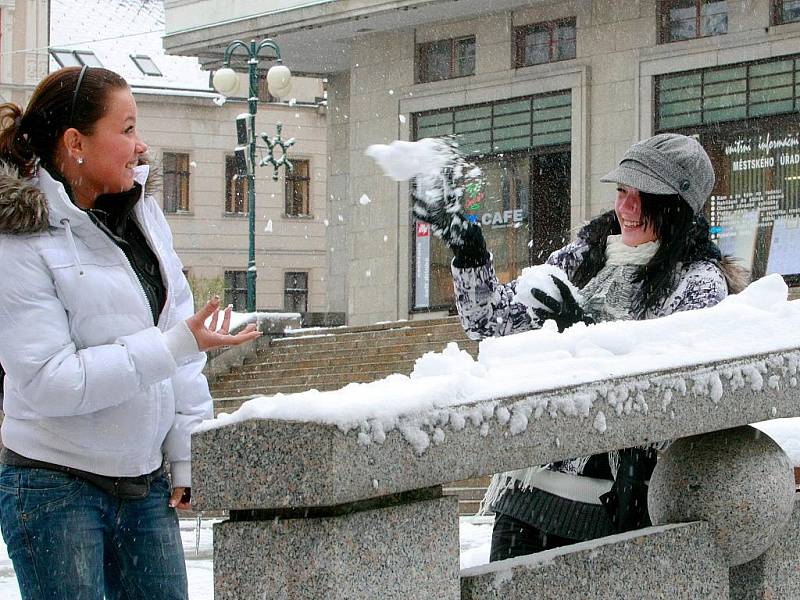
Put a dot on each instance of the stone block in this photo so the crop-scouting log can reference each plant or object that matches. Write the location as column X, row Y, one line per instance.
column 738, row 480
column 657, row 563
column 399, row 552
column 248, row 464
column 775, row 573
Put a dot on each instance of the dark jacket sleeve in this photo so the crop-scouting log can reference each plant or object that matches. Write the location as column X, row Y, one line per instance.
column 626, row 502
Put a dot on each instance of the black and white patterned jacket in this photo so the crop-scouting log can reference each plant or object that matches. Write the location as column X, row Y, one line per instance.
column 487, row 309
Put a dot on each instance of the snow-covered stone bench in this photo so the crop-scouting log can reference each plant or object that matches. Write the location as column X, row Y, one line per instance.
column 338, row 494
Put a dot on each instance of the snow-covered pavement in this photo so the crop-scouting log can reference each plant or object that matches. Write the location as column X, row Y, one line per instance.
column 475, row 537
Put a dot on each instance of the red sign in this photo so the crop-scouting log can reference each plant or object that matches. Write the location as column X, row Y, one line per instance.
column 423, row 229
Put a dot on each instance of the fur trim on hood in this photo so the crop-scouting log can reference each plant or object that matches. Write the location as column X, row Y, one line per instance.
column 23, row 206
column 736, row 276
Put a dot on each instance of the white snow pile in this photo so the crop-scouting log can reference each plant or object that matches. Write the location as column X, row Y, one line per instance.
column 449, row 390
column 541, row 278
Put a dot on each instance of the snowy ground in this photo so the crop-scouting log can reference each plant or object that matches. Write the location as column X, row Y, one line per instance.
column 475, row 536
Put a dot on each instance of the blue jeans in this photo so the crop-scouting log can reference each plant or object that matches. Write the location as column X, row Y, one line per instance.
column 69, row 540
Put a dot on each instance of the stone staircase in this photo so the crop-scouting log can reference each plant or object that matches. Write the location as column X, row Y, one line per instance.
column 329, row 359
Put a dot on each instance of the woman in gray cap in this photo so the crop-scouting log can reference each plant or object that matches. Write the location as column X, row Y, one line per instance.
column 649, row 257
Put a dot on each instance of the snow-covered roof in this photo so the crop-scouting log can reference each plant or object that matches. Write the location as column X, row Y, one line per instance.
column 115, row 30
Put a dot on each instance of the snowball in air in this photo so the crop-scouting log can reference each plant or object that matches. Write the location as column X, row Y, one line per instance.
column 403, row 160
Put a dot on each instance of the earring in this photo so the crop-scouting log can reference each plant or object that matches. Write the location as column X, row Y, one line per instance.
column 80, row 160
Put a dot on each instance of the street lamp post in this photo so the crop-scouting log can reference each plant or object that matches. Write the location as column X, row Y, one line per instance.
column 279, row 83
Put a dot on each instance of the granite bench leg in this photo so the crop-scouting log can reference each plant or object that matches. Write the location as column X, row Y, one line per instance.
column 776, row 573
column 406, row 551
column 658, row 563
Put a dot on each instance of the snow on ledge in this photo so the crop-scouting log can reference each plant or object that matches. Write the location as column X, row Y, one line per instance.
column 424, row 405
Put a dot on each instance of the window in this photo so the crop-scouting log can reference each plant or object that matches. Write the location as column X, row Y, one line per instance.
column 785, row 11
column 88, row 58
column 235, row 188
column 721, row 94
column 297, row 189
column 146, row 64
column 75, row 58
column 176, row 182
column 295, row 292
column 545, row 42
column 236, row 290
column 505, row 126
column 445, row 59
column 689, row 19
column 65, row 58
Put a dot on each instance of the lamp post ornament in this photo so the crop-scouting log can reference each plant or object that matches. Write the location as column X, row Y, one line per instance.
column 279, row 83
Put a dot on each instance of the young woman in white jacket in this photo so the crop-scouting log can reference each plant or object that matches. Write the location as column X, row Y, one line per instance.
column 102, row 352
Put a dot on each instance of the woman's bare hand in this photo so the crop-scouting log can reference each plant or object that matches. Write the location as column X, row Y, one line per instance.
column 181, row 498
column 210, row 337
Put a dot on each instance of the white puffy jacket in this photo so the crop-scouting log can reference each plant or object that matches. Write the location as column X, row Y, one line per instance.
column 91, row 382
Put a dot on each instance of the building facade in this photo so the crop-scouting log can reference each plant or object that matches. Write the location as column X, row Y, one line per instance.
column 546, row 96
column 190, row 130
column 23, row 47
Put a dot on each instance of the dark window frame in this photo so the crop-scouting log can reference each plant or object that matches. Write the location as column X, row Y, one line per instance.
column 552, row 26
column 236, row 289
column 293, row 180
column 493, row 142
column 178, row 177
column 423, row 48
column 236, row 188
column 664, row 34
column 748, row 104
column 777, row 12
column 291, row 287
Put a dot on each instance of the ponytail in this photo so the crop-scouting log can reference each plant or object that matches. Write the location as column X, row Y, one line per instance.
column 15, row 149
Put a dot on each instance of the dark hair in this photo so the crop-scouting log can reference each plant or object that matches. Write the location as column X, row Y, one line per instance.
column 35, row 133
column 684, row 238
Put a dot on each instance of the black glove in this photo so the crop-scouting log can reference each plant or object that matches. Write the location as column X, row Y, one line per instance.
column 565, row 313
column 440, row 206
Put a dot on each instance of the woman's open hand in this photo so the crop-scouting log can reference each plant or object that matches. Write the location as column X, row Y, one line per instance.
column 181, row 498
column 209, row 337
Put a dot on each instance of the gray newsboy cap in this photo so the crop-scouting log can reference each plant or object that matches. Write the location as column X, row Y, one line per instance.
column 667, row 163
